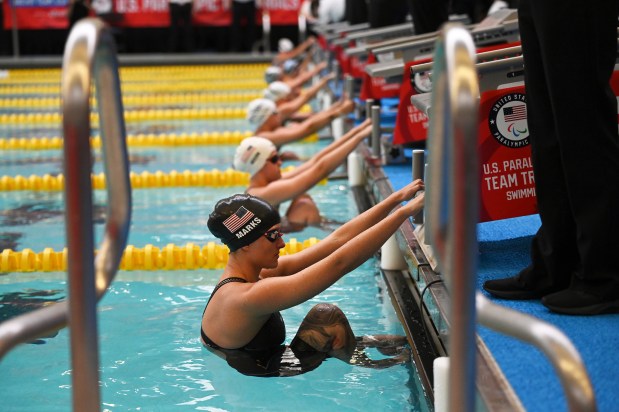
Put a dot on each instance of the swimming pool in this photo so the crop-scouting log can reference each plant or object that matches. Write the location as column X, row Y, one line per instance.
column 151, row 357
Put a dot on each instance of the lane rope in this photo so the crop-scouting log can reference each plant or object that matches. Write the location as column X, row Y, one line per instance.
column 149, row 258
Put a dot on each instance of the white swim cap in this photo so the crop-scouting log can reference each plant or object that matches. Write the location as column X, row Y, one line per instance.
column 259, row 110
column 285, row 45
column 276, row 90
column 252, row 154
column 272, row 74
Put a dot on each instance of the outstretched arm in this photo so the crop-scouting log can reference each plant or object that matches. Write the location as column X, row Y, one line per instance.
column 325, row 151
column 278, row 293
column 304, row 77
column 291, row 264
column 288, row 109
column 292, row 133
column 281, row 190
column 301, row 48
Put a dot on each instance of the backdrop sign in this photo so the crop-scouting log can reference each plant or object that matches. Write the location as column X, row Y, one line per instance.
column 52, row 14
column 283, row 12
column 212, row 13
column 36, row 14
column 507, row 184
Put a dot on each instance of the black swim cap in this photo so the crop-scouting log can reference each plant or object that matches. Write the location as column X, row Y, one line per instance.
column 239, row 220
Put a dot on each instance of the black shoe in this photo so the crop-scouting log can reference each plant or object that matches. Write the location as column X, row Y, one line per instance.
column 578, row 302
column 512, row 288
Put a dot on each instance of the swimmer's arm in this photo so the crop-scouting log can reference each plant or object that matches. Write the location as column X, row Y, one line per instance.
column 290, row 264
column 361, row 128
column 304, row 77
column 296, row 51
column 292, row 133
column 288, row 109
column 279, row 293
column 282, row 190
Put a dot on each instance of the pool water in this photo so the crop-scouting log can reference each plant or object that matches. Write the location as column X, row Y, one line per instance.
column 151, row 358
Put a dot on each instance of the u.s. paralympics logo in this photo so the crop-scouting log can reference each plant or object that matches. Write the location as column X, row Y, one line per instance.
column 508, row 120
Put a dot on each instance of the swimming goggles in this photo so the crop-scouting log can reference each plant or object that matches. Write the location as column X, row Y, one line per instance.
column 273, row 235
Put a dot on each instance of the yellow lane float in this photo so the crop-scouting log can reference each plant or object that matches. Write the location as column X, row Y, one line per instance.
column 149, row 258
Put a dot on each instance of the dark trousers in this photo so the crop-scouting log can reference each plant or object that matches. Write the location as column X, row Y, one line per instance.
column 382, row 13
column 181, row 34
column 428, row 15
column 356, row 11
column 243, row 36
column 572, row 118
column 281, row 32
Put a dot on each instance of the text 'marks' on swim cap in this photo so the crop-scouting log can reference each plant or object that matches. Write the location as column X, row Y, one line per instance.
column 240, row 220
column 252, row 154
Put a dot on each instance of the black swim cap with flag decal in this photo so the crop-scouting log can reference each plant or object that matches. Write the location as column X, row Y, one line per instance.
column 241, row 219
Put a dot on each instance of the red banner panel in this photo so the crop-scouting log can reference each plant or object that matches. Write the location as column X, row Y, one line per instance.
column 614, row 84
column 507, row 184
column 212, row 13
column 141, row 13
column 283, row 12
column 378, row 87
column 36, row 14
column 411, row 124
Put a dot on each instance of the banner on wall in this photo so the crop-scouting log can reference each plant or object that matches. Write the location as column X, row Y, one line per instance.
column 139, row 13
column 283, row 12
column 507, row 186
column 36, row 14
column 212, row 13
column 52, row 14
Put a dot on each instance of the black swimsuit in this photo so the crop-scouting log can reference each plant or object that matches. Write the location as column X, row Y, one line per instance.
column 265, row 355
column 271, row 335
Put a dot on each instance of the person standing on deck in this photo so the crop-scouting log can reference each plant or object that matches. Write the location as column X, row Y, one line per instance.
column 572, row 118
column 243, row 25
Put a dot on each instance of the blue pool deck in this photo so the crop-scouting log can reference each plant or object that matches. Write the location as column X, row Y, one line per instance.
column 503, row 251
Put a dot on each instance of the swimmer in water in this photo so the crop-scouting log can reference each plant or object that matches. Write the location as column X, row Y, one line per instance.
column 242, row 322
column 260, row 158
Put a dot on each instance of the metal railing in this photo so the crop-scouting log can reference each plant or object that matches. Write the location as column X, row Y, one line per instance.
column 553, row 343
column 452, row 212
column 452, row 199
column 90, row 52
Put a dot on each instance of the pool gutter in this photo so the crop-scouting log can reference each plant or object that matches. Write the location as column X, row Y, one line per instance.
column 127, row 60
column 425, row 321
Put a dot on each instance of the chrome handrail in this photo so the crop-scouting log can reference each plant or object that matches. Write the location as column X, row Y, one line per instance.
column 452, row 198
column 557, row 347
column 90, row 49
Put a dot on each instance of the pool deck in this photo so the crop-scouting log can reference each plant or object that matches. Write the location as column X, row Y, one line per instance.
column 511, row 375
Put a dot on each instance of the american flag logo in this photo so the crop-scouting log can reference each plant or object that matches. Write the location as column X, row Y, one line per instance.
column 515, row 113
column 238, row 219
